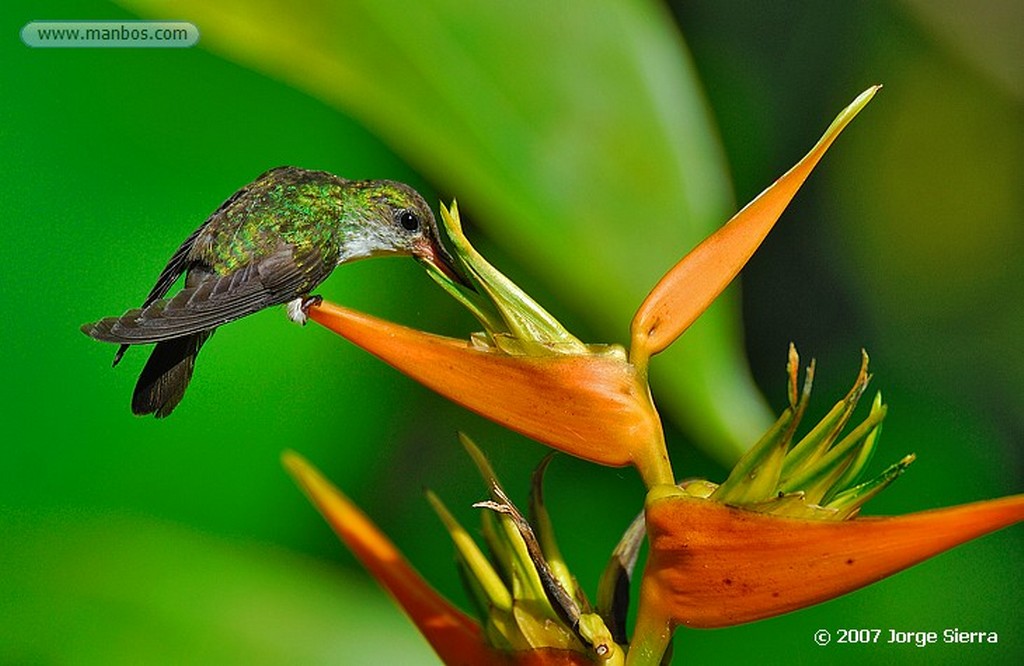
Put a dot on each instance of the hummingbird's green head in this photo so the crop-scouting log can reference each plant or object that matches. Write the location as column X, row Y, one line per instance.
column 399, row 221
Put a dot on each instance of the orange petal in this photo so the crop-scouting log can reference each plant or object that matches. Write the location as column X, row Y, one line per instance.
column 714, row 566
column 591, row 406
column 692, row 284
column 456, row 638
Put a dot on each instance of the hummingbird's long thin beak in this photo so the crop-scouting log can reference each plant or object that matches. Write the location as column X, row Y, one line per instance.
column 435, row 254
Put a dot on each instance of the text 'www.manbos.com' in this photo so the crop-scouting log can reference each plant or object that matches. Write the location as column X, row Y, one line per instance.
column 110, row 34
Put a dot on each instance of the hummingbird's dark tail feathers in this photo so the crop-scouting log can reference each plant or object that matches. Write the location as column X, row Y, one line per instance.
column 166, row 375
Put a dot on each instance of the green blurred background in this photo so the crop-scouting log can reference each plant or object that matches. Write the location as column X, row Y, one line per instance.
column 590, row 146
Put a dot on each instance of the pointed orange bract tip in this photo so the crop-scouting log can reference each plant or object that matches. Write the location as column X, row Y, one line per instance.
column 712, row 565
column 456, row 638
column 592, row 406
column 697, row 280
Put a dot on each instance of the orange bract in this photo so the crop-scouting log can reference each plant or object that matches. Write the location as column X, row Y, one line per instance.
column 692, row 284
column 592, row 406
column 713, row 565
column 455, row 637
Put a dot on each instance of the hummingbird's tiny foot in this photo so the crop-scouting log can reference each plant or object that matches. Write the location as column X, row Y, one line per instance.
column 310, row 301
column 307, row 303
column 298, row 309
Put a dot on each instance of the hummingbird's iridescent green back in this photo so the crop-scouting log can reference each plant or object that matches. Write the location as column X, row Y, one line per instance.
column 284, row 205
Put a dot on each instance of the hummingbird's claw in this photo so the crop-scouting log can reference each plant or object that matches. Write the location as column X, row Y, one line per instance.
column 298, row 309
column 310, row 301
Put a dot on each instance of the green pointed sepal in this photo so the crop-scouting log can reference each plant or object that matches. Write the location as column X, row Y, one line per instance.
column 815, row 477
column 525, row 594
column 513, row 322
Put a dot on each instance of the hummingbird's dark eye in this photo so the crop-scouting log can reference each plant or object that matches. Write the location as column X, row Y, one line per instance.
column 409, row 220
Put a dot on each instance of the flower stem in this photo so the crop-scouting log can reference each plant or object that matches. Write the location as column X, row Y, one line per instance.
column 652, row 461
column 651, row 638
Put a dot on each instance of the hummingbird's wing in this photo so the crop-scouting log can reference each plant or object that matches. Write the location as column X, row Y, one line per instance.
column 212, row 300
column 183, row 257
column 180, row 261
column 175, row 267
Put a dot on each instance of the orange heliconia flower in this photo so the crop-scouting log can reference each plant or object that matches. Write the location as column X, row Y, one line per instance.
column 713, row 565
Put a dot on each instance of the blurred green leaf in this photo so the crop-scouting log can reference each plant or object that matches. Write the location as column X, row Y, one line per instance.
column 578, row 138
column 108, row 589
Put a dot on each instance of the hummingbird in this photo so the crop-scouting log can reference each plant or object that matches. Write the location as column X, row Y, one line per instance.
column 271, row 243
